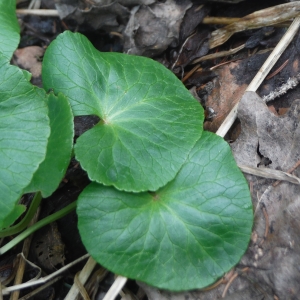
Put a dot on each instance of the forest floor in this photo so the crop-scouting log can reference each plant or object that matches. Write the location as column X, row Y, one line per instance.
column 184, row 37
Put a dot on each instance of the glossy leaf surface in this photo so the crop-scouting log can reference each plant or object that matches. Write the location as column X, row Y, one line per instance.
column 149, row 120
column 184, row 236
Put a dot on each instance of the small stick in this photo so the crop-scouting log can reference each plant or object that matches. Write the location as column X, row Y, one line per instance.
column 82, row 278
column 9, row 289
column 39, row 289
column 264, row 70
column 292, row 169
column 223, row 280
column 38, row 12
column 219, row 54
column 84, row 294
column 278, row 70
column 224, row 63
column 190, row 73
column 270, row 174
column 234, row 276
column 227, row 21
column 267, row 224
column 115, row 288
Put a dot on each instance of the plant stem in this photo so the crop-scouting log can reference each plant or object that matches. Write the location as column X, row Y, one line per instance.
column 25, row 221
column 59, row 214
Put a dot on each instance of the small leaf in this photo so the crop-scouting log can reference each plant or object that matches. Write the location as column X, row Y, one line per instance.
column 51, row 171
column 24, row 131
column 9, row 28
column 184, row 236
column 149, row 120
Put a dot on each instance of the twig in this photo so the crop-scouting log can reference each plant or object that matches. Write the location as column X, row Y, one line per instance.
column 234, row 276
column 270, row 173
column 38, row 12
column 190, row 73
column 84, row 294
column 278, row 70
column 261, row 18
column 265, row 69
column 290, row 84
column 115, row 288
column 219, row 54
column 227, row 21
column 289, row 171
column 39, row 289
column 82, row 278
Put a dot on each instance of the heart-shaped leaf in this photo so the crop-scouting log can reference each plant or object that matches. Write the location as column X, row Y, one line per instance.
column 184, row 236
column 24, row 132
column 51, row 171
column 9, row 28
column 149, row 121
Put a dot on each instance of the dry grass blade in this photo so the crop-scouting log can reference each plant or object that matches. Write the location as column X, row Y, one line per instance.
column 270, row 173
column 38, row 12
column 10, row 289
column 218, row 54
column 115, row 288
column 227, row 21
column 261, row 18
column 22, row 263
column 82, row 278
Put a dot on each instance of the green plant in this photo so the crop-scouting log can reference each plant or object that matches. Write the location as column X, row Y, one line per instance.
column 167, row 204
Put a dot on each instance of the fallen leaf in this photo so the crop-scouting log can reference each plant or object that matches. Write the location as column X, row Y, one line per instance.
column 151, row 29
column 30, row 59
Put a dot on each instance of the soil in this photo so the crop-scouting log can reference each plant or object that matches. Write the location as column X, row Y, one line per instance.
column 264, row 135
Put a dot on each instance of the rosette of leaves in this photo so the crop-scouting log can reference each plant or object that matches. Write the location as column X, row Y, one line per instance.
column 192, row 220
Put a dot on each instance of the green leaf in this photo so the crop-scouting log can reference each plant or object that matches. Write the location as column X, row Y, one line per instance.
column 59, row 148
column 184, row 236
column 149, row 120
column 9, row 28
column 17, row 211
column 24, row 131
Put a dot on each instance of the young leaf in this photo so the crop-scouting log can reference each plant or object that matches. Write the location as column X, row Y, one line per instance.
column 51, row 171
column 149, row 121
column 9, row 28
column 184, row 236
column 24, row 131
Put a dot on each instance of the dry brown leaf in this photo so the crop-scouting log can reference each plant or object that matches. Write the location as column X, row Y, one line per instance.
column 151, row 29
column 49, row 248
column 30, row 59
column 226, row 93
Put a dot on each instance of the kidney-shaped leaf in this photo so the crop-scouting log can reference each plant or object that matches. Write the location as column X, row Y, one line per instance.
column 149, row 121
column 184, row 236
column 24, row 132
column 9, row 28
column 51, row 171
